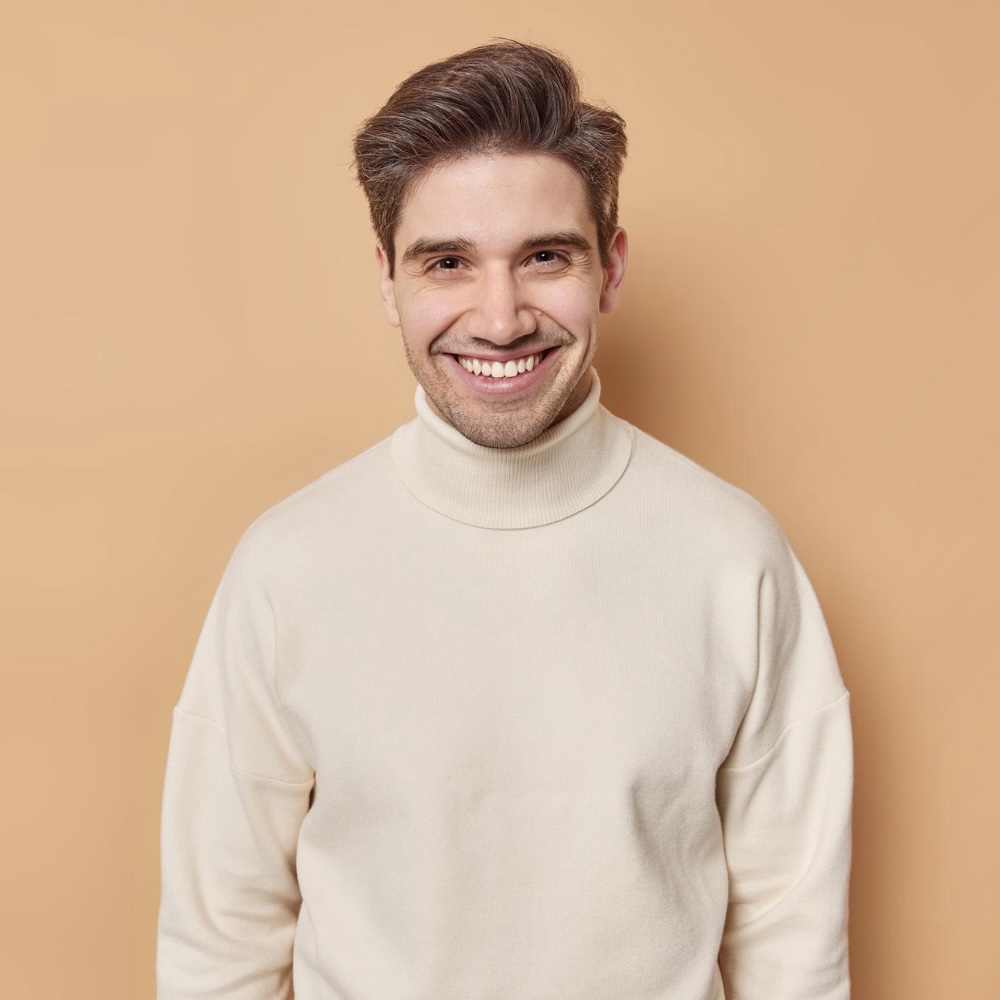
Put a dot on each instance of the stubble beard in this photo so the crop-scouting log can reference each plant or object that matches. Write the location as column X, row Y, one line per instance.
column 506, row 422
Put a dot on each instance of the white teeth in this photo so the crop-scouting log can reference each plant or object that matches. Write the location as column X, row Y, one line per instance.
column 500, row 369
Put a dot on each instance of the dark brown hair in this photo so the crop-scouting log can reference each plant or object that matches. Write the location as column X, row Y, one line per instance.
column 506, row 97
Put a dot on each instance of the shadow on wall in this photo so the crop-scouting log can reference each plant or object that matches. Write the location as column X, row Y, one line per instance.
column 638, row 380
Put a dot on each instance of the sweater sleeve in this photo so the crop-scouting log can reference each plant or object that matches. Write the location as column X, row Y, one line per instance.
column 235, row 795
column 784, row 797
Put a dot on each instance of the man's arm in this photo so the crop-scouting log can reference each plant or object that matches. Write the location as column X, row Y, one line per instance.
column 784, row 795
column 235, row 795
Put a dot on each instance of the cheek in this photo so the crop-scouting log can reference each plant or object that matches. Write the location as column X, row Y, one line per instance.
column 423, row 318
column 573, row 308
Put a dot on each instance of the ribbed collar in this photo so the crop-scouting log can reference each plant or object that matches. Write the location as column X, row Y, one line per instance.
column 568, row 468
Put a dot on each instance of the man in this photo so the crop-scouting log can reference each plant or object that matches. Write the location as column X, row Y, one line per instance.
column 519, row 703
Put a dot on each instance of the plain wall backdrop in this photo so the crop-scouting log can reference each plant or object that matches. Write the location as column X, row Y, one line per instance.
column 190, row 331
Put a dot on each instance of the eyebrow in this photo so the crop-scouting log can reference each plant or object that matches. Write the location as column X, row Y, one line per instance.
column 568, row 239
column 429, row 247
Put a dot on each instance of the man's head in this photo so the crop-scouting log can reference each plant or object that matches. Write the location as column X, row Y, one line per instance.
column 506, row 97
column 493, row 193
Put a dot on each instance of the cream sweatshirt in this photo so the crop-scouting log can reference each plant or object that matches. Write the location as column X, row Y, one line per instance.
column 561, row 722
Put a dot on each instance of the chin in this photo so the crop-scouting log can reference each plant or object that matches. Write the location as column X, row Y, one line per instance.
column 502, row 430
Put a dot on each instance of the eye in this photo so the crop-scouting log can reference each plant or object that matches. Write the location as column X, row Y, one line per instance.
column 548, row 257
column 446, row 264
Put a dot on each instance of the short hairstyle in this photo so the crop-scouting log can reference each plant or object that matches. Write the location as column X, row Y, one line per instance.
column 505, row 97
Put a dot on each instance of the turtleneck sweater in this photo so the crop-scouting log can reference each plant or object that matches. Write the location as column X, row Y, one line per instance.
column 557, row 722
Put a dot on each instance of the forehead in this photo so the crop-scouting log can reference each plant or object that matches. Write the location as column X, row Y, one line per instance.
column 496, row 198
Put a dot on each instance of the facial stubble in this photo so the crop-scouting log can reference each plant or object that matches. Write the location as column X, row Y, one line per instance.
column 501, row 422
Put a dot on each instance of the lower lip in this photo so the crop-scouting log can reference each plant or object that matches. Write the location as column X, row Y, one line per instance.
column 505, row 386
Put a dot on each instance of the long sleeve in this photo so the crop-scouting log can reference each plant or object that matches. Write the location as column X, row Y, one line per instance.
column 235, row 795
column 784, row 796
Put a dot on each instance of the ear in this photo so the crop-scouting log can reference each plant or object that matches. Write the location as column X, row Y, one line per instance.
column 614, row 271
column 387, row 286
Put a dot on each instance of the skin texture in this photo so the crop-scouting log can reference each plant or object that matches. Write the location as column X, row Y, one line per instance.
column 498, row 260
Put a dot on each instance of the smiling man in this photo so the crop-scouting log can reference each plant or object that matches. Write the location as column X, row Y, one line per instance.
column 520, row 703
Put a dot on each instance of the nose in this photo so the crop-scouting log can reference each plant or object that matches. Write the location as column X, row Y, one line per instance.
column 499, row 314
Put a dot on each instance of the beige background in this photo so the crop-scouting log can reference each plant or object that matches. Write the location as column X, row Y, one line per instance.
column 190, row 331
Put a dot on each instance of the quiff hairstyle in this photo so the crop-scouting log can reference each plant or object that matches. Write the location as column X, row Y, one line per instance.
column 506, row 97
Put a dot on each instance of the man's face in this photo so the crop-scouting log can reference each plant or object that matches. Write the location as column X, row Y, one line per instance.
column 497, row 289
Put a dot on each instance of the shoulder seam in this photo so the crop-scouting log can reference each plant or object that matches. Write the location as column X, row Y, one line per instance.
column 774, row 746
column 277, row 781
column 239, row 770
column 200, row 718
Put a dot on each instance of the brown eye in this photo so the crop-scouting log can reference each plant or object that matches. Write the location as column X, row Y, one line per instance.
column 548, row 257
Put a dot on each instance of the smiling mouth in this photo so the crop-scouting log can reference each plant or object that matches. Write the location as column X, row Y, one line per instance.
column 500, row 369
